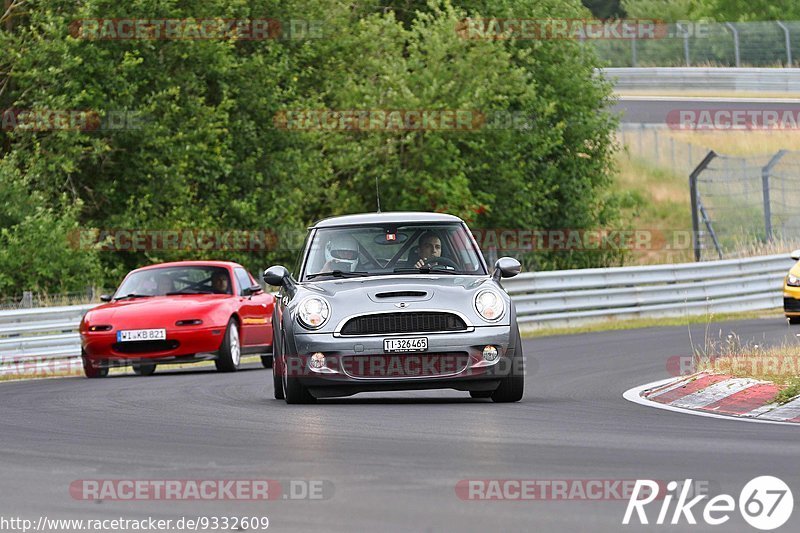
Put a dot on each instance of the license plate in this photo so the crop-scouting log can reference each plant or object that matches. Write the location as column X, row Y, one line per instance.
column 131, row 335
column 414, row 344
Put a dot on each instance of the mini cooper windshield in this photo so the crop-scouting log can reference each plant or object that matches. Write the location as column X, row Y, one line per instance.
column 374, row 250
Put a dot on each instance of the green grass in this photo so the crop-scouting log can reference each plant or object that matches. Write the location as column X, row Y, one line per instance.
column 611, row 325
column 791, row 391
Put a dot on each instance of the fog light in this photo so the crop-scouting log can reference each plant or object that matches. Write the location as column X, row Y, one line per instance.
column 490, row 353
column 317, row 361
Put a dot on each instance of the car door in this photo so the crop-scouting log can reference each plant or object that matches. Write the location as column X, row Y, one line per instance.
column 255, row 311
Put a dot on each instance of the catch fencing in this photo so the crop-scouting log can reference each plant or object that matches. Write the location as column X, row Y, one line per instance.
column 721, row 44
column 743, row 202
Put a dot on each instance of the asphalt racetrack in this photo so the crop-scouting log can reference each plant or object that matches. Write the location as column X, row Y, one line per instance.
column 390, row 461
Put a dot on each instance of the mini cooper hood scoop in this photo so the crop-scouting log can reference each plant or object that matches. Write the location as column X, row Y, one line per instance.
column 406, row 295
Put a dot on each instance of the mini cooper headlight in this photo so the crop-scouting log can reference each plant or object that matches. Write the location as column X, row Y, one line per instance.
column 313, row 312
column 489, row 305
column 793, row 281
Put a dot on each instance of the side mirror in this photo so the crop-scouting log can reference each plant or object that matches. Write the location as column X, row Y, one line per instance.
column 506, row 267
column 251, row 290
column 276, row 276
column 795, row 255
column 106, row 297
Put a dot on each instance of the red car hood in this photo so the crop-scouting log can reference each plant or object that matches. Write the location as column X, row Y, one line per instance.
column 161, row 311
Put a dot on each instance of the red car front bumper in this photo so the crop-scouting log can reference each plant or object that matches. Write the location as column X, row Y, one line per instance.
column 184, row 343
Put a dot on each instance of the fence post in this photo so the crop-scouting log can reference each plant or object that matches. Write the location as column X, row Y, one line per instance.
column 788, row 43
column 672, row 154
column 735, row 42
column 694, row 198
column 634, row 58
column 685, row 43
column 765, row 173
column 27, row 300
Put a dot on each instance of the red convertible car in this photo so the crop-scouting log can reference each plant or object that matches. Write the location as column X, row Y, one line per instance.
column 177, row 313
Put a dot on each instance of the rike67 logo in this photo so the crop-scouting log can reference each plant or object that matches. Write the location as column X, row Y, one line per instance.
column 765, row 503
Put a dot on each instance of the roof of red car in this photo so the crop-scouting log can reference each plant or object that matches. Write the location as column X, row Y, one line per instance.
column 191, row 263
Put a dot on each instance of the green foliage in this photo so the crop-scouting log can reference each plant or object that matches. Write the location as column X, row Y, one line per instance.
column 203, row 152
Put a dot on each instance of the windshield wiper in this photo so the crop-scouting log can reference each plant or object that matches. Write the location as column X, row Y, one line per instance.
column 134, row 295
column 426, row 270
column 187, row 292
column 338, row 274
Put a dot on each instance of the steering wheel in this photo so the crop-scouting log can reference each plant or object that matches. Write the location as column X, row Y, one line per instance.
column 443, row 261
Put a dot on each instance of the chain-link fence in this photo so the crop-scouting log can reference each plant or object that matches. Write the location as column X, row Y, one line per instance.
column 654, row 144
column 741, row 203
column 30, row 299
column 745, row 44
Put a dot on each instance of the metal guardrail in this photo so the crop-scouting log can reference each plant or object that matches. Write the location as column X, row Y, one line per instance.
column 576, row 296
column 542, row 298
column 705, row 79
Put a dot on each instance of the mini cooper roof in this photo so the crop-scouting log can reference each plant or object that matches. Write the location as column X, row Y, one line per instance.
column 400, row 217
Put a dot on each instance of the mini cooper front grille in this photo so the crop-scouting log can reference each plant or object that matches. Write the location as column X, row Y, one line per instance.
column 145, row 346
column 412, row 322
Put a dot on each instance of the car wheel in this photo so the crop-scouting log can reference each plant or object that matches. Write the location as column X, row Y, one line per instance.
column 144, row 369
column 266, row 361
column 794, row 319
column 277, row 377
column 293, row 389
column 90, row 370
column 231, row 351
column 513, row 385
column 481, row 393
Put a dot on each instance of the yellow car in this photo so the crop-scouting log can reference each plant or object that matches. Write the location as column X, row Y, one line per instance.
column 791, row 291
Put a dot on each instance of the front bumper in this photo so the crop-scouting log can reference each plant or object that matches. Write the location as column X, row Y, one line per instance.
column 182, row 345
column 791, row 300
column 359, row 364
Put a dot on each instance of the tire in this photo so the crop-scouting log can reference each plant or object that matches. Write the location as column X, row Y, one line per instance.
column 293, row 389
column 230, row 352
column 794, row 320
column 266, row 361
column 512, row 386
column 277, row 377
column 90, row 370
column 481, row 393
column 144, row 369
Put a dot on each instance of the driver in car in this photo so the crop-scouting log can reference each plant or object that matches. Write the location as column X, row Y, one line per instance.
column 341, row 253
column 219, row 282
column 430, row 247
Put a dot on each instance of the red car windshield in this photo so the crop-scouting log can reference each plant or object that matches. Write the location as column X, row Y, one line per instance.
column 176, row 280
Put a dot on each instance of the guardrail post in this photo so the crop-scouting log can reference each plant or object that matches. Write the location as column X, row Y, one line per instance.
column 765, row 173
column 27, row 300
column 735, row 42
column 788, row 43
column 695, row 200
